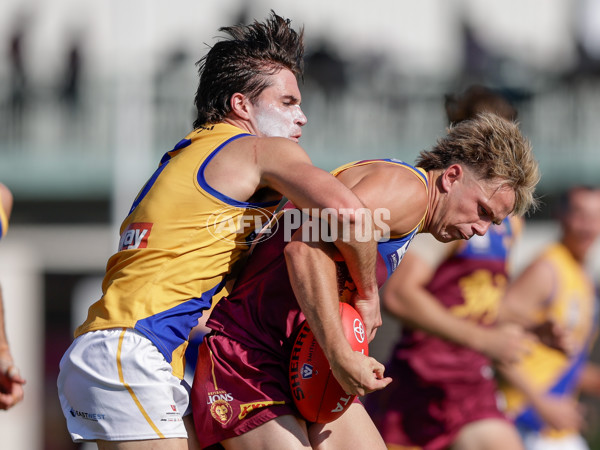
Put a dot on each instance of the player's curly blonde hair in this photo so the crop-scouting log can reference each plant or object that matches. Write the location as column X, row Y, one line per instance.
column 494, row 149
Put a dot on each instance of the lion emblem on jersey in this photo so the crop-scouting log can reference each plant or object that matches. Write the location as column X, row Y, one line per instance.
column 221, row 411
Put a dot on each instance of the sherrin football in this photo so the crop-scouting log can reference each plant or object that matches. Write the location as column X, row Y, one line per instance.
column 317, row 394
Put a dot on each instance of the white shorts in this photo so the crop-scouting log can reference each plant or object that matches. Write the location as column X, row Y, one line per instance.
column 537, row 441
column 115, row 385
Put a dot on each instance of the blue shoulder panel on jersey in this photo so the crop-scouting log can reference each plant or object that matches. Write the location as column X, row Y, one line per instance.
column 231, row 201
column 392, row 251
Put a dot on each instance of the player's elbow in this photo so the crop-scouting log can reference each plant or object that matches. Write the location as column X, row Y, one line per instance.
column 294, row 252
column 395, row 304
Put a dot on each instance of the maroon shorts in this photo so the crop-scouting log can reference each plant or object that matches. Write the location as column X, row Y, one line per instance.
column 237, row 389
column 413, row 411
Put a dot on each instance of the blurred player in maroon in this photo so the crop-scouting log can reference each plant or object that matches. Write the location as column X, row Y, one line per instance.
column 444, row 392
column 475, row 176
column 11, row 383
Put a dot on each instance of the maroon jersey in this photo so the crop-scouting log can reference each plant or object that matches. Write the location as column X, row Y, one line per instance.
column 440, row 386
column 241, row 379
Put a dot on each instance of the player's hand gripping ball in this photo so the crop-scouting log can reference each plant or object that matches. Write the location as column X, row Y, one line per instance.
column 317, row 394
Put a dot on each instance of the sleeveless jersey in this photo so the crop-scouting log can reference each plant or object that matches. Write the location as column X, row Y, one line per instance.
column 177, row 244
column 573, row 305
column 262, row 311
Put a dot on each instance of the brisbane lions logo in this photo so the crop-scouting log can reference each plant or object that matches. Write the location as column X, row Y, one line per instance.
column 221, row 411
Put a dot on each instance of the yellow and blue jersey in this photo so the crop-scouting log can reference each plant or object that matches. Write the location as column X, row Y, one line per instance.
column 573, row 305
column 178, row 243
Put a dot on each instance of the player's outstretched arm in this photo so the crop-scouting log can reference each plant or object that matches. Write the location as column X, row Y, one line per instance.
column 405, row 296
column 11, row 383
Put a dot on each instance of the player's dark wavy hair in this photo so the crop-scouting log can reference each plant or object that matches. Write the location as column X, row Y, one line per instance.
column 242, row 63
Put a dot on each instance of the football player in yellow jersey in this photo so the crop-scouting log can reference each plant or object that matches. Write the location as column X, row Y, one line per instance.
column 11, row 383
column 121, row 381
column 556, row 287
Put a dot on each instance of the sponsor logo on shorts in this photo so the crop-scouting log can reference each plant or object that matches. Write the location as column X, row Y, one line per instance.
column 307, row 371
column 247, row 408
column 135, row 236
column 172, row 415
column 94, row 417
column 221, row 411
column 219, row 395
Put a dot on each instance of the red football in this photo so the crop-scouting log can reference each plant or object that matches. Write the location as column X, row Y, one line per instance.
column 317, row 394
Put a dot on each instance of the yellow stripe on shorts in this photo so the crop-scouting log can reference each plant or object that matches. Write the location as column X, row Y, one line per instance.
column 135, row 399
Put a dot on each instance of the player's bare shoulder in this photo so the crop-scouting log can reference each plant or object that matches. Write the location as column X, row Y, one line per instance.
column 402, row 192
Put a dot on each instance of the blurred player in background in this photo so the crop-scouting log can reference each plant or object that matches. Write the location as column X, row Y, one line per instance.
column 11, row 383
column 480, row 172
column 121, row 381
column 542, row 396
column 447, row 297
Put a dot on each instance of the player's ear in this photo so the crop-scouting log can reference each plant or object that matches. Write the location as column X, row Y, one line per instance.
column 240, row 105
column 451, row 175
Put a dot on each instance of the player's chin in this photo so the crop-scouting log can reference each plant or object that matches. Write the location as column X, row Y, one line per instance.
column 444, row 237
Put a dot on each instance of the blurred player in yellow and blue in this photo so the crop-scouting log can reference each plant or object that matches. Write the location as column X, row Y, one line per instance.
column 556, row 287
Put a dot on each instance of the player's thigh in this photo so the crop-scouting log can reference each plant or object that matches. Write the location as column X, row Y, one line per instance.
column 157, row 444
column 488, row 434
column 287, row 432
column 352, row 430
column 153, row 444
column 192, row 440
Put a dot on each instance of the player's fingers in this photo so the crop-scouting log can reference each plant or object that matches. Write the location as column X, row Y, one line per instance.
column 6, row 401
column 14, row 375
column 377, row 384
column 372, row 334
column 377, row 368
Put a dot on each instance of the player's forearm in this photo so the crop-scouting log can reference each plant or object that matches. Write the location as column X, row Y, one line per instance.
column 4, row 348
column 589, row 381
column 359, row 252
column 513, row 375
column 313, row 277
column 419, row 309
